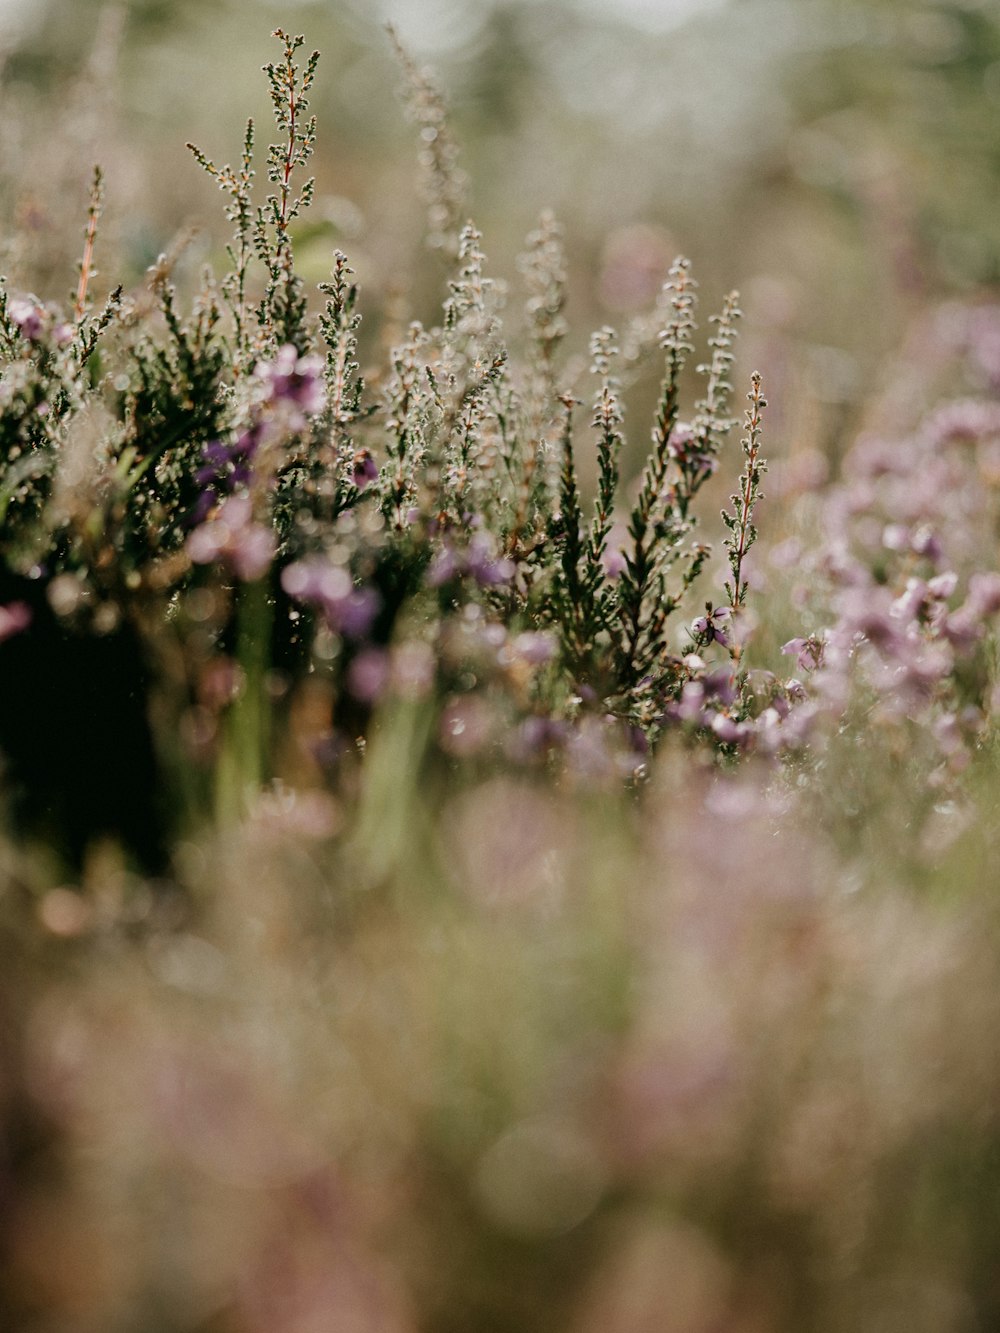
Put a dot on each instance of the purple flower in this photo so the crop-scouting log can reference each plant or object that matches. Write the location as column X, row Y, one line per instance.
column 443, row 568
column 711, row 628
column 234, row 539
column 691, row 704
column 355, row 614
column 364, row 470
column 720, row 686
column 727, row 730
column 487, row 569
column 536, row 647
column 368, row 675
column 912, row 602
column 689, row 452
column 347, row 609
column 294, row 386
column 613, row 562
column 534, row 738
column 225, row 467
column 28, row 316
column 467, row 725
column 807, row 652
column 15, row 617
column 477, row 561
column 941, row 587
column 983, row 598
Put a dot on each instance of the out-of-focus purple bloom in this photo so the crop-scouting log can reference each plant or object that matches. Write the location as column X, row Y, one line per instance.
column 896, row 537
column 728, row 730
column 690, row 706
column 467, row 725
column 983, row 341
column 941, row 586
column 330, row 588
column 368, row 675
column 364, row 469
column 535, row 738
column 922, row 540
column 316, row 580
column 15, row 617
column 536, row 647
column 613, row 562
column 294, row 386
column 488, row 569
column 478, row 561
column 912, row 602
column 443, row 567
column 927, row 543
column 225, row 468
column 356, row 613
column 962, row 629
column 234, row 539
column 867, row 612
column 964, row 419
column 28, row 316
column 983, row 598
column 720, row 686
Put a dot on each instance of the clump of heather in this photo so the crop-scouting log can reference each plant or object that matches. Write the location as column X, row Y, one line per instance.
column 902, row 569
column 221, row 484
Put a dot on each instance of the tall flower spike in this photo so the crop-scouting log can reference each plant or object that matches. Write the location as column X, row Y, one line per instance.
column 742, row 532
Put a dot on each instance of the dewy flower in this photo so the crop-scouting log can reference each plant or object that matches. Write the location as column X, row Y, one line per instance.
column 234, row 539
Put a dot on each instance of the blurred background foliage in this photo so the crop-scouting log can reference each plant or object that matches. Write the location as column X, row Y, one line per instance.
column 838, row 161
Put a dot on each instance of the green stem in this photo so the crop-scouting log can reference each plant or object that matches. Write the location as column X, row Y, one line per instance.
column 244, row 755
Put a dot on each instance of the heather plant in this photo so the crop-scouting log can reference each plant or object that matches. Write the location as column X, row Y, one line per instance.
column 904, row 571
column 223, row 482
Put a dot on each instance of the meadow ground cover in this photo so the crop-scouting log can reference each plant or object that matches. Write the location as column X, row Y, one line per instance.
column 451, row 882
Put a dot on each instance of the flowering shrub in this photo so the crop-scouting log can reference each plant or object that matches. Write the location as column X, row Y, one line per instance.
column 225, row 482
column 439, row 916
